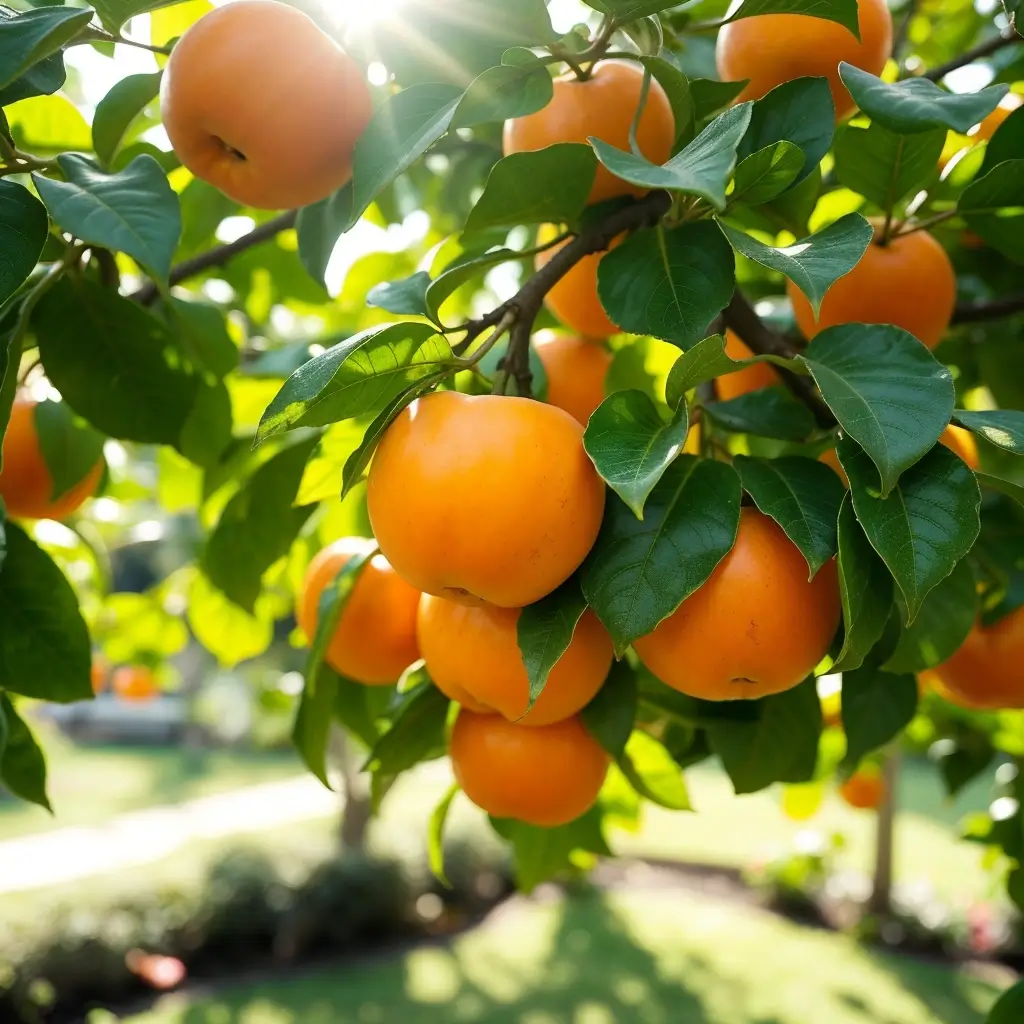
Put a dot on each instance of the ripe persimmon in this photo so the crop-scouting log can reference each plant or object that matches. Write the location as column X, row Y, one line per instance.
column 753, row 378
column 770, row 49
column 961, row 442
column 484, row 498
column 375, row 639
column 756, row 627
column 574, row 299
column 984, row 131
column 601, row 106
column 259, row 102
column 134, row 683
column 26, row 484
column 575, row 369
column 908, row 282
column 864, row 790
column 987, row 672
column 473, row 656
column 545, row 775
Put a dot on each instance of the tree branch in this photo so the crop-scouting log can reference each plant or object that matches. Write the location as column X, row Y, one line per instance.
column 763, row 341
column 993, row 309
column 220, row 255
column 985, row 49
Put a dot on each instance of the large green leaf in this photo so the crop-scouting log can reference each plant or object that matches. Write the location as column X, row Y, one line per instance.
column 677, row 89
column 803, row 496
column 416, row 733
column 114, row 13
column 815, row 263
column 258, row 526
column 544, row 632
column 319, row 227
column 44, row 643
column 651, row 771
column 884, row 166
column 610, row 716
column 549, row 185
column 135, row 211
column 26, row 39
column 877, row 707
column 22, row 764
column 357, row 377
column 767, row 412
column 23, row 227
column 1009, row 1008
column 435, row 834
column 887, row 390
column 640, row 571
column 407, row 297
column 70, row 448
column 204, row 334
column 917, row 104
column 702, row 362
column 927, row 523
column 1004, row 428
column 669, row 283
column 1007, row 143
column 702, row 168
column 503, row 92
column 993, row 206
column 228, row 632
column 766, row 174
column 866, row 589
column 800, row 112
column 780, row 745
column 842, row 11
column 116, row 111
column 631, row 446
column 311, row 730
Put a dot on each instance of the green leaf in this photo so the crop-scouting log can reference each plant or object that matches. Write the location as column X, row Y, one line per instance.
column 651, row 771
column 640, row 571
column 407, row 297
column 116, row 111
column 631, row 446
column 767, row 173
column 504, row 92
column 669, row 283
column 781, row 745
column 461, row 271
column 44, row 643
column 946, row 617
column 1004, row 428
column 357, row 377
column 70, row 447
column 1009, row 1008
column 800, row 112
column 312, row 727
column 115, row 13
column 630, row 10
column 1007, row 487
column 926, row 524
column 677, row 89
column 815, row 263
column 319, row 227
column 22, row 764
column 28, row 38
column 709, row 95
column 887, row 390
column 228, row 632
column 547, row 186
column 768, row 412
column 204, row 334
column 357, row 708
column 545, row 630
column 993, row 206
column 866, row 589
column 803, row 496
column 702, row 168
column 416, row 733
column 703, row 362
column 258, row 526
column 918, row 104
column 134, row 211
column 610, row 716
column 884, row 166
column 23, row 228
column 435, row 834
column 1007, row 143
column 877, row 707
column 842, row 11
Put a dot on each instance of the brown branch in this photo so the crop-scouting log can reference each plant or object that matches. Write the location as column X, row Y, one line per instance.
column 985, row 49
column 763, row 341
column 993, row 309
column 220, row 255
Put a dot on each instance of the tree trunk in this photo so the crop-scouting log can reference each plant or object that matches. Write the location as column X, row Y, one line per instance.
column 356, row 811
column 880, row 902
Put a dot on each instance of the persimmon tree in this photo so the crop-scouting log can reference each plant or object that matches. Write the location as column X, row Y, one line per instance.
column 853, row 284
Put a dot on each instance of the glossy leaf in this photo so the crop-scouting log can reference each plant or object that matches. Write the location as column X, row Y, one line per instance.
column 115, row 13
column 767, row 173
column 407, row 297
column 877, row 707
column 23, row 228
column 884, row 166
column 470, row 265
column 640, row 571
column 1009, row 1007
column 22, row 764
column 416, row 733
column 26, row 39
column 116, row 111
column 319, row 227
column 803, row 496
column 926, row 524
column 1002, row 427
column 677, row 89
column 545, row 630
column 610, row 716
column 652, row 772
column 312, row 727
column 768, row 412
column 993, row 206
column 886, row 389
column 710, row 95
column 70, row 448
column 358, row 708
column 842, row 11
column 669, row 283
column 703, row 362
column 435, row 834
column 503, row 92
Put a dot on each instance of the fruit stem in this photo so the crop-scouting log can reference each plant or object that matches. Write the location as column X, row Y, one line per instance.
column 909, row 227
column 492, row 339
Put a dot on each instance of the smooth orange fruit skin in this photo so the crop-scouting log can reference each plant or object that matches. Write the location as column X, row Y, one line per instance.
column 576, row 369
column 473, row 652
column 910, row 283
column 831, row 459
column 987, row 672
column 484, row 498
column 134, row 683
column 546, row 776
column 574, row 299
column 756, row 627
column 603, row 107
column 375, row 640
column 259, row 102
column 961, row 442
column 864, row 790
column 26, row 485
column 987, row 128
column 753, row 378
column 770, row 49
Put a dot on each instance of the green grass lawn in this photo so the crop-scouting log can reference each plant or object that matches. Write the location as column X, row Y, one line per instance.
column 652, row 956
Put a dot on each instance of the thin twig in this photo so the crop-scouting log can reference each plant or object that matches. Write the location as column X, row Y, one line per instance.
column 909, row 227
column 95, row 34
column 992, row 309
column 899, row 40
column 985, row 49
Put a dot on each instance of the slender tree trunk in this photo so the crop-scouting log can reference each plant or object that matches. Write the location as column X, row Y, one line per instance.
column 356, row 811
column 880, row 902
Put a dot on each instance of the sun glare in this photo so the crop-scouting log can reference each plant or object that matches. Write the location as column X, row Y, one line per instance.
column 359, row 12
